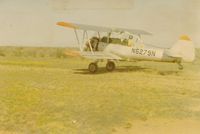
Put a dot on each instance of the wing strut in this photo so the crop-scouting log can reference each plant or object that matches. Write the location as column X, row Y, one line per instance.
column 83, row 40
column 89, row 43
column 75, row 31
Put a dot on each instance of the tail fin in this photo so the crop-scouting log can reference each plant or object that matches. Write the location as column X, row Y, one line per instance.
column 184, row 49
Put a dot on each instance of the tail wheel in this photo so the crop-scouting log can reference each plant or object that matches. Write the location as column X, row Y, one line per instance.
column 180, row 67
column 110, row 66
column 93, row 67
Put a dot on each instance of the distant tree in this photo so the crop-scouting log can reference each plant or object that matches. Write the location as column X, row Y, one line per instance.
column 18, row 51
column 2, row 53
column 60, row 53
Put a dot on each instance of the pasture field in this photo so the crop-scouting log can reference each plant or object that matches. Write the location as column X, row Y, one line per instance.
column 49, row 95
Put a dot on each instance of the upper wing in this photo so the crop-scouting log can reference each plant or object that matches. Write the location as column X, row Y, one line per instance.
column 84, row 27
column 101, row 29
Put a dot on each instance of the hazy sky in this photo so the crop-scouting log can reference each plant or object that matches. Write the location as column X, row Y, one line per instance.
column 32, row 22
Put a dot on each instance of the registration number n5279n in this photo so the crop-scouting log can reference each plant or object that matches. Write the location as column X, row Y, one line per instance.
column 144, row 52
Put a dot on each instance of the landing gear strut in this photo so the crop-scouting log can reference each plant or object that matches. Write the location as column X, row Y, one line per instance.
column 93, row 67
column 110, row 66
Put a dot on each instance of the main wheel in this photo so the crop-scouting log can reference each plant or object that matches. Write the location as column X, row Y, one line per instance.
column 92, row 67
column 110, row 66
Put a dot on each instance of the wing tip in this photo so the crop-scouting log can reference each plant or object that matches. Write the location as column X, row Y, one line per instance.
column 66, row 24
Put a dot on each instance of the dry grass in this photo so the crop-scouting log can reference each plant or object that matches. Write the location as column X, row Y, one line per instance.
column 51, row 95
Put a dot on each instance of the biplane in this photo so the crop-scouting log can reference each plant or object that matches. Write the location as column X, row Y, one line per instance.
column 127, row 46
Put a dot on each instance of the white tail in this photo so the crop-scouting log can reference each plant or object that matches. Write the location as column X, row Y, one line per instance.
column 183, row 48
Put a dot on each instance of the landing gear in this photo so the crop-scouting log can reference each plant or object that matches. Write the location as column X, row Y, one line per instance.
column 93, row 67
column 180, row 67
column 110, row 66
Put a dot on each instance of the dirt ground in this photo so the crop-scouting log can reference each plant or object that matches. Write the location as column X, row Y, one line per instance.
column 59, row 96
column 160, row 126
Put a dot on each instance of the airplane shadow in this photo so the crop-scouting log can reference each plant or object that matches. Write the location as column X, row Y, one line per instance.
column 122, row 69
column 168, row 73
column 102, row 70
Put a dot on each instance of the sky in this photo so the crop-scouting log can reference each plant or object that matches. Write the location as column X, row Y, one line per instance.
column 33, row 22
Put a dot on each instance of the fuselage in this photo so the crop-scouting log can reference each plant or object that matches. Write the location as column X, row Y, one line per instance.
column 139, row 52
column 182, row 51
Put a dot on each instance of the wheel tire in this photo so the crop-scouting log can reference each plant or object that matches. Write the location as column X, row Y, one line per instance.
column 110, row 66
column 180, row 67
column 92, row 67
